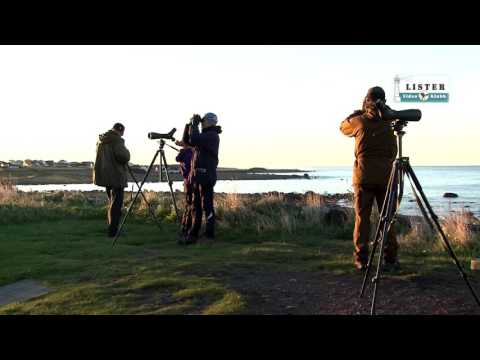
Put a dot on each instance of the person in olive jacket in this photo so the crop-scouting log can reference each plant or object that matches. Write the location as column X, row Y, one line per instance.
column 110, row 171
column 204, row 174
column 375, row 152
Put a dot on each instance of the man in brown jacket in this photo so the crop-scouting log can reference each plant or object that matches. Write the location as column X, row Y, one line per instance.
column 110, row 171
column 375, row 152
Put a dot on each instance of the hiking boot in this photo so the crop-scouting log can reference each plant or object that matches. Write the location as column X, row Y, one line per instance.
column 111, row 234
column 190, row 239
column 181, row 236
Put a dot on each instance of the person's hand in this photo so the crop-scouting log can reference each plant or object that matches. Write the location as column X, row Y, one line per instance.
column 196, row 119
column 179, row 143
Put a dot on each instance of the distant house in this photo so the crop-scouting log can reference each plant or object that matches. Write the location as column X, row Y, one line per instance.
column 16, row 163
column 32, row 163
column 62, row 164
column 4, row 164
column 50, row 163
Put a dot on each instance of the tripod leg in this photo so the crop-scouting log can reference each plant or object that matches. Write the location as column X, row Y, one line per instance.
column 377, row 232
column 170, row 185
column 401, row 177
column 442, row 234
column 420, row 204
column 389, row 217
column 135, row 198
column 152, row 214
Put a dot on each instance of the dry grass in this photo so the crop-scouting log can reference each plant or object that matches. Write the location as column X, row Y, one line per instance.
column 456, row 228
column 160, row 203
column 419, row 234
column 8, row 190
column 262, row 214
column 274, row 212
column 314, row 209
column 314, row 215
column 288, row 222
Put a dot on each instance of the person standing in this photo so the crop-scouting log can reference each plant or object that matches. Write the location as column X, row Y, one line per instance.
column 204, row 174
column 184, row 157
column 375, row 152
column 110, row 172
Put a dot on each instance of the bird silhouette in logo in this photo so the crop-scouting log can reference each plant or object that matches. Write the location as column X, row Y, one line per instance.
column 423, row 96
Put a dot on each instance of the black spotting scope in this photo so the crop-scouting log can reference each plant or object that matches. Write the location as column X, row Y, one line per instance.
column 168, row 136
column 402, row 115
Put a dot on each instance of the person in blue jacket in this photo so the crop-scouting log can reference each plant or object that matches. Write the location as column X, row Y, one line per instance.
column 204, row 174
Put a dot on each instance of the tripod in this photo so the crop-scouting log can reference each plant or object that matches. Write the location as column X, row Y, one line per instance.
column 152, row 214
column 402, row 168
column 163, row 166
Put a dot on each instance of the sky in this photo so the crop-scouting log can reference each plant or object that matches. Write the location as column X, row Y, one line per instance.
column 279, row 106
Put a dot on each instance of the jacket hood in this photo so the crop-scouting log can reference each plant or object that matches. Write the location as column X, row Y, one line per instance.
column 217, row 129
column 109, row 137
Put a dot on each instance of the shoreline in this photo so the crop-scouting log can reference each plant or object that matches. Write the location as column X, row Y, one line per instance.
column 77, row 176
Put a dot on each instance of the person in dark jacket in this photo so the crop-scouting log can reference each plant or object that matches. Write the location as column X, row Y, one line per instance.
column 375, row 152
column 110, row 171
column 204, row 174
column 184, row 157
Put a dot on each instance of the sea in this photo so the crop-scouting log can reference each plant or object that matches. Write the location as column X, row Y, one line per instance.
column 435, row 180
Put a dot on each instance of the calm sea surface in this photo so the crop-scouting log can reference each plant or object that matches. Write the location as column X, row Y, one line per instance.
column 435, row 180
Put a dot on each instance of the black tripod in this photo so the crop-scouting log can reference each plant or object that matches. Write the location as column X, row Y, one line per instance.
column 401, row 167
column 152, row 214
column 163, row 166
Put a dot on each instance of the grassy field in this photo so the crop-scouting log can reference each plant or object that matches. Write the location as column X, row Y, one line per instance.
column 272, row 257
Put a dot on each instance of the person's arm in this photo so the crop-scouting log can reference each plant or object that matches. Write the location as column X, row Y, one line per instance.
column 121, row 152
column 181, row 156
column 196, row 138
column 350, row 126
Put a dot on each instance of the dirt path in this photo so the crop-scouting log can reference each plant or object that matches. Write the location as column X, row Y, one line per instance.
column 326, row 293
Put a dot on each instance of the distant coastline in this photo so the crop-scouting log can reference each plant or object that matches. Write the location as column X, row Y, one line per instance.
column 83, row 175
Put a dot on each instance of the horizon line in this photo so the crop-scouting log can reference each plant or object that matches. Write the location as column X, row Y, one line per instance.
column 281, row 167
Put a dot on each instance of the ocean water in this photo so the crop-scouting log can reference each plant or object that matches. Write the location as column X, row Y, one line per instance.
column 435, row 181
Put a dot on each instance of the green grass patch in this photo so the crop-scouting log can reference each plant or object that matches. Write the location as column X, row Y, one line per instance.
column 63, row 245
